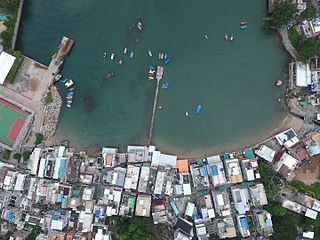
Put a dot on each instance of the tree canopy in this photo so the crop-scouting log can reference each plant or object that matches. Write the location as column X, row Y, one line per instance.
column 283, row 12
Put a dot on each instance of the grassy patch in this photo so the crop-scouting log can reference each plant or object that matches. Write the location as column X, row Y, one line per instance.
column 39, row 138
column 49, row 98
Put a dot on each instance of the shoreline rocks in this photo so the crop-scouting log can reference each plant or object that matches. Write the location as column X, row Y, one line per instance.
column 52, row 114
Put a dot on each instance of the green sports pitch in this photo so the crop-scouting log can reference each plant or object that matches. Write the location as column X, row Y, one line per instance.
column 12, row 119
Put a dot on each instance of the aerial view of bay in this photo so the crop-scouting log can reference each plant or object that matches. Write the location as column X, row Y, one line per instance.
column 233, row 81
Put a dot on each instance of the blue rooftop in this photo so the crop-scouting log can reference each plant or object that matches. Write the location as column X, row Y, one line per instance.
column 62, row 169
column 249, row 153
column 214, row 170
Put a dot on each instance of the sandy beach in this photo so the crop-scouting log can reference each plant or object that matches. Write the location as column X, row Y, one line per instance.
column 288, row 122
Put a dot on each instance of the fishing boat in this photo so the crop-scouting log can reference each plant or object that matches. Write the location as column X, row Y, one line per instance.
column 69, row 94
column 112, row 56
column 57, row 78
column 69, row 101
column 198, row 109
column 71, row 89
column 226, row 37
column 125, row 50
column 69, row 97
column 243, row 27
column 187, row 114
column 165, row 56
column 69, row 83
column 206, row 37
column 131, row 54
column 150, row 53
column 167, row 61
column 69, row 105
column 161, row 56
column 231, row 37
column 105, row 55
column 243, row 23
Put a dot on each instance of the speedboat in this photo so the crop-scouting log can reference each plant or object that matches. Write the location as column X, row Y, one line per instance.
column 57, row 78
column 167, row 61
column 131, row 54
column 226, row 37
column 198, row 109
column 150, row 53
column 243, row 23
column 112, row 56
column 125, row 50
column 243, row 26
column 69, row 83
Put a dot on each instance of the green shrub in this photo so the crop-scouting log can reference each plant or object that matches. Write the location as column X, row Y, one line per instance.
column 49, row 98
column 283, row 12
column 39, row 138
column 6, row 154
column 17, row 156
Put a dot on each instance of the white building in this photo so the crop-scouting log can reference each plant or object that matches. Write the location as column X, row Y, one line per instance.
column 6, row 62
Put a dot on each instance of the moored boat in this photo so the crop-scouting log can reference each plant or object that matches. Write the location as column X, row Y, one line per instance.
column 69, row 94
column 198, row 109
column 69, row 83
column 112, row 56
column 149, row 53
column 231, row 37
column 226, row 37
column 161, row 56
column 125, row 50
column 120, row 62
column 165, row 56
column 243, row 23
column 71, row 89
column 206, row 37
column 131, row 54
column 57, row 78
column 243, row 26
column 187, row 114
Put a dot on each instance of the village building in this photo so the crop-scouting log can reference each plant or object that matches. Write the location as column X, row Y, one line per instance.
column 216, row 171
column 234, row 174
column 285, row 164
column 265, row 153
column 143, row 205
column 240, row 196
column 298, row 208
column 243, row 225
column 263, row 222
column 221, row 202
column 258, row 195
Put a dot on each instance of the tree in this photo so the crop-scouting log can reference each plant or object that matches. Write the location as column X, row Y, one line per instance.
column 26, row 155
column 276, row 209
column 6, row 154
column 283, row 12
column 17, row 156
column 39, row 138
column 49, row 98
column 267, row 173
column 309, row 13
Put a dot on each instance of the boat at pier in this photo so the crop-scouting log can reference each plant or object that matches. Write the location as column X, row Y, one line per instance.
column 65, row 80
column 150, row 53
column 198, row 109
column 131, row 54
column 69, row 97
column 69, row 94
column 57, row 78
column 112, row 56
column 71, row 89
column 69, row 83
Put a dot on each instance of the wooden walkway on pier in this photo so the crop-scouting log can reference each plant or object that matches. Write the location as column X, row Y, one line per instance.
column 155, row 101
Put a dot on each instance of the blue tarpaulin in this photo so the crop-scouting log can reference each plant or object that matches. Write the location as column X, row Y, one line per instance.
column 214, row 170
column 62, row 169
column 203, row 171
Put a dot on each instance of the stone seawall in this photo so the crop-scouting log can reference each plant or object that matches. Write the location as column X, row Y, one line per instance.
column 16, row 27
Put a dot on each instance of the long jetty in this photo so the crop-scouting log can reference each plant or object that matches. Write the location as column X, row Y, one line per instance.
column 155, row 101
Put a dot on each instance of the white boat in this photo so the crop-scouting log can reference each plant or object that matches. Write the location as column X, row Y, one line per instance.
column 57, row 78
column 104, row 54
column 165, row 56
column 159, row 55
column 125, row 50
column 150, row 53
column 231, row 37
column 112, row 56
column 120, row 62
column 226, row 37
column 187, row 114
column 206, row 37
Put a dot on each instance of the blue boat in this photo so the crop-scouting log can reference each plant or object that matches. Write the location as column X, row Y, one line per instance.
column 69, row 94
column 198, row 109
column 65, row 80
column 243, row 26
column 152, row 67
column 167, row 61
column 131, row 54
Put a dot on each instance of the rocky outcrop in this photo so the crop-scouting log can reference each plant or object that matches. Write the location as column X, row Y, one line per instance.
column 52, row 113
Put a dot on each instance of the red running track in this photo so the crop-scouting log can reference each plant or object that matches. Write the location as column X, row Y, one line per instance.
column 15, row 129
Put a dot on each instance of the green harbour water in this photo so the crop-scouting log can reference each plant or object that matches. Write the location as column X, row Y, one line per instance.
column 233, row 81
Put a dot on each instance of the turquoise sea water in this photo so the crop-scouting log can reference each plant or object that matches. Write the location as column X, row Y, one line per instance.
column 233, row 81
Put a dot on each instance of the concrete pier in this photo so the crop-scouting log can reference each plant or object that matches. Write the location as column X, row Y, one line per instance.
column 155, row 101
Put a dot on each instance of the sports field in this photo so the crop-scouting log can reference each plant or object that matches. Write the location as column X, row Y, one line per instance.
column 12, row 119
